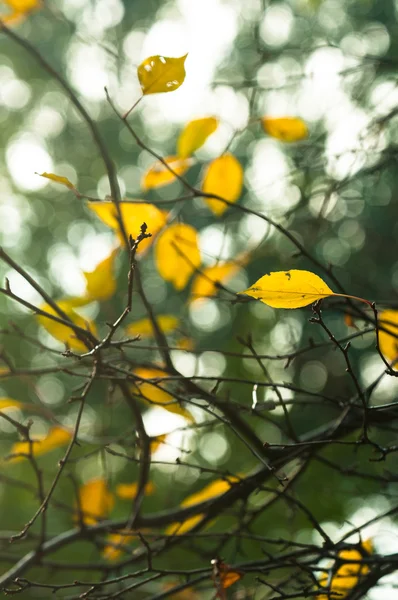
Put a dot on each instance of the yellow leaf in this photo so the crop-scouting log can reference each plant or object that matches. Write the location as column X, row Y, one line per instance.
column 159, row 175
column 128, row 491
column 206, row 283
column 134, row 214
column 286, row 129
column 55, row 438
column 185, row 526
column 177, row 254
column 223, row 576
column 59, row 179
column 63, row 333
column 167, row 323
column 388, row 342
column 194, row 135
column 154, row 392
column 9, row 403
column 185, row 343
column 214, row 489
column 117, row 545
column 22, row 5
column 101, row 283
column 289, row 289
column 95, row 501
column 158, row 74
column 223, row 177
column 157, row 441
column 347, row 575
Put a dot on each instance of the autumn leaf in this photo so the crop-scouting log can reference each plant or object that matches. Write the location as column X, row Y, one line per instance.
column 154, row 392
column 20, row 9
column 194, row 135
column 159, row 175
column 184, row 526
column 286, row 129
column 95, row 501
column 388, row 342
column 347, row 575
column 223, row 177
column 117, row 544
column 9, row 403
column 177, row 254
column 63, row 333
column 143, row 327
column 159, row 74
column 223, row 576
column 134, row 214
column 101, row 283
column 59, row 179
column 128, row 491
column 55, row 438
column 206, row 283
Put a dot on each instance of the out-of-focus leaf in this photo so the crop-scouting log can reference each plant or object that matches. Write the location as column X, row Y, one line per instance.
column 223, row 576
column 185, row 526
column 134, row 214
column 187, row 594
column 157, row 441
column 95, row 501
column 9, row 403
column 59, row 179
column 62, row 332
column 154, row 392
column 55, row 438
column 167, row 323
column 289, row 289
column 177, row 254
column 286, row 129
column 117, row 545
column 194, row 135
column 159, row 175
column 20, row 9
column 185, row 343
column 101, row 283
column 223, row 177
column 206, row 283
column 128, row 491
column 159, row 74
column 388, row 342
column 347, row 575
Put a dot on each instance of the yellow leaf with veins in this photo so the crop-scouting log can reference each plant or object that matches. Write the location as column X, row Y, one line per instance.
column 159, row 74
column 177, row 254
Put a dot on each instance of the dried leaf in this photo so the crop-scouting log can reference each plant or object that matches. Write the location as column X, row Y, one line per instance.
column 223, row 576
column 117, row 545
column 286, row 129
column 154, row 392
column 63, row 333
column 159, row 74
column 101, row 283
column 128, row 491
column 388, row 342
column 55, row 438
column 177, row 254
column 134, row 214
column 206, row 283
column 289, row 289
column 95, row 501
column 223, row 177
column 59, row 179
column 347, row 575
column 194, row 135
column 159, row 175
column 167, row 323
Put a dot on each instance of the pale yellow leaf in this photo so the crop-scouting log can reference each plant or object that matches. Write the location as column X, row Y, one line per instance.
column 177, row 254
column 159, row 175
column 101, row 283
column 159, row 74
column 388, row 342
column 348, row 575
column 63, row 333
column 134, row 214
column 55, row 438
column 289, row 289
column 286, row 129
column 194, row 135
column 59, row 179
column 167, row 323
column 206, row 283
column 154, row 393
column 117, row 545
column 95, row 501
column 223, row 177
column 128, row 491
